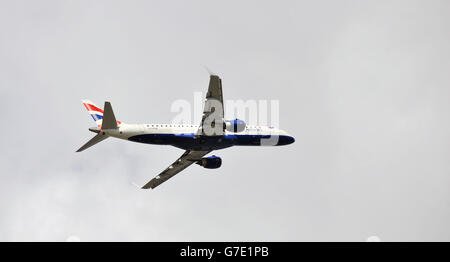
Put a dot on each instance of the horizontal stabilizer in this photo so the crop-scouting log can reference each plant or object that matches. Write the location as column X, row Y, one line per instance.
column 96, row 139
column 109, row 120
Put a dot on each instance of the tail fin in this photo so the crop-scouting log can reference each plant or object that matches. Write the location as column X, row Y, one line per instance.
column 105, row 119
column 97, row 113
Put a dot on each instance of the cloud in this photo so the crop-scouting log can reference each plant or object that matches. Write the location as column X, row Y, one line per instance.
column 362, row 87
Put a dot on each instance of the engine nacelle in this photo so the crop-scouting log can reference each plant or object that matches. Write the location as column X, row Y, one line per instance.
column 235, row 126
column 210, row 162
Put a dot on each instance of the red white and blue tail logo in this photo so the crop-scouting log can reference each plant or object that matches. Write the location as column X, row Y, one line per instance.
column 95, row 111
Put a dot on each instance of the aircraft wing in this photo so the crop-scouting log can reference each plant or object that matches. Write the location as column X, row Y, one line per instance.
column 187, row 159
column 213, row 113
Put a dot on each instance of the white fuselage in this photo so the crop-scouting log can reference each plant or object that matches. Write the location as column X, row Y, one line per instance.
column 185, row 136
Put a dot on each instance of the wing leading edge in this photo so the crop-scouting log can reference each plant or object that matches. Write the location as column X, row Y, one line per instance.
column 187, row 159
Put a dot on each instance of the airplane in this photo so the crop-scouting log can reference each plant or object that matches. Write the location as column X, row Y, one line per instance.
column 213, row 133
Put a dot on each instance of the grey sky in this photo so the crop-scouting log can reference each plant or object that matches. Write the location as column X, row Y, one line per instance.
column 363, row 86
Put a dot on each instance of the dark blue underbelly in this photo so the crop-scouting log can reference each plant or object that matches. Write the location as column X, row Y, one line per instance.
column 190, row 142
column 185, row 141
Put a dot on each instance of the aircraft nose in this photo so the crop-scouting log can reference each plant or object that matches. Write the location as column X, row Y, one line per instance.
column 286, row 140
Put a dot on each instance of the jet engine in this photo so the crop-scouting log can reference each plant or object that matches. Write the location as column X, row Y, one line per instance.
column 235, row 126
column 210, row 162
